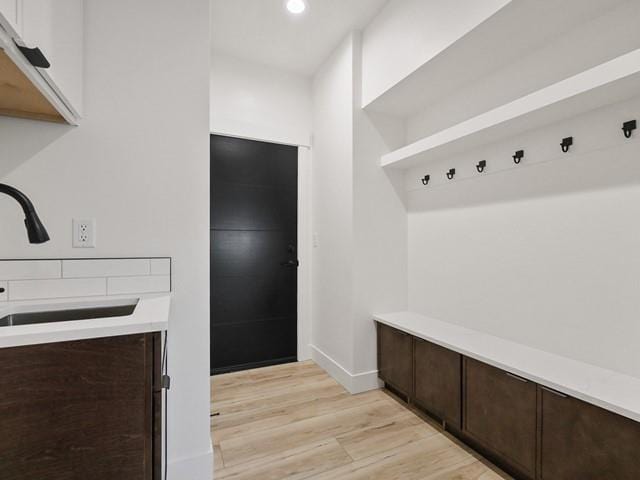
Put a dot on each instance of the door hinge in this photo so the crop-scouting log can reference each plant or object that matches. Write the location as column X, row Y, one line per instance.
column 165, row 383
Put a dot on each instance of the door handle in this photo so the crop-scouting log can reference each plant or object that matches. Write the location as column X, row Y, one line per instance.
column 515, row 377
column 34, row 56
column 290, row 263
column 557, row 394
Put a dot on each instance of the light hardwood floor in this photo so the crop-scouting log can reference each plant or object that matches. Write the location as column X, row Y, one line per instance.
column 295, row 422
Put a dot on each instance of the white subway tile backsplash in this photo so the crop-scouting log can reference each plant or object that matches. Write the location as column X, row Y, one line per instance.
column 30, row 269
column 160, row 266
column 150, row 284
column 57, row 288
column 76, row 277
column 120, row 267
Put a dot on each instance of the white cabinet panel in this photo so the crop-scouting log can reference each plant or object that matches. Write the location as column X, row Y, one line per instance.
column 56, row 27
column 9, row 9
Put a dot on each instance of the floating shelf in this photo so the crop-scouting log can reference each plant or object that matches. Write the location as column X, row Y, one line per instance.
column 607, row 83
column 510, row 34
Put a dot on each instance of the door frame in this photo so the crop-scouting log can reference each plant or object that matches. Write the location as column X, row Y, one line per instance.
column 305, row 235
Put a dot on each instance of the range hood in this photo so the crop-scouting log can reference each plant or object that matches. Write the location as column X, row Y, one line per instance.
column 27, row 90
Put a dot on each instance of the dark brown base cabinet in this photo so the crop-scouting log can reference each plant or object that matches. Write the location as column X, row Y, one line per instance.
column 500, row 413
column 530, row 431
column 80, row 410
column 581, row 441
column 437, row 381
column 395, row 358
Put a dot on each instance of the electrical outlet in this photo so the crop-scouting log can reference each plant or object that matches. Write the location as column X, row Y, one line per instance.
column 84, row 233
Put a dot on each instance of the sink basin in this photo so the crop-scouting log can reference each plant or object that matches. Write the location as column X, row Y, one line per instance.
column 52, row 316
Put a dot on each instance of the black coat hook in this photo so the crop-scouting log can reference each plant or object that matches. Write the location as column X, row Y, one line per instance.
column 628, row 128
column 451, row 173
column 425, row 179
column 566, row 143
column 482, row 164
column 518, row 156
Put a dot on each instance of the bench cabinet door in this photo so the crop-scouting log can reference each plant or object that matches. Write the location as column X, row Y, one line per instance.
column 500, row 413
column 582, row 441
column 438, row 380
column 395, row 359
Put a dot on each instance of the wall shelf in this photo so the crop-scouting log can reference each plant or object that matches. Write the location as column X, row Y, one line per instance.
column 610, row 82
column 513, row 32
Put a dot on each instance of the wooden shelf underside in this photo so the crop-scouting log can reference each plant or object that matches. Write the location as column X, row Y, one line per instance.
column 19, row 97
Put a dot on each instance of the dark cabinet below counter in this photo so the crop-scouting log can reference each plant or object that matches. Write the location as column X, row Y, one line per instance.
column 437, row 373
column 582, row 441
column 500, row 413
column 530, row 431
column 395, row 359
column 86, row 409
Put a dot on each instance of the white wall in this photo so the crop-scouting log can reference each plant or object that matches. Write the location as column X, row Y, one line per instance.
column 332, row 180
column 380, row 226
column 545, row 254
column 255, row 101
column 360, row 263
column 139, row 165
column 408, row 33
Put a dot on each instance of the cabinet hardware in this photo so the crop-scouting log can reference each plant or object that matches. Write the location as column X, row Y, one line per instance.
column 628, row 128
column 34, row 56
column 557, row 394
column 482, row 164
column 451, row 173
column 425, row 179
column 290, row 263
column 518, row 156
column 2, row 290
column 566, row 144
column 523, row 380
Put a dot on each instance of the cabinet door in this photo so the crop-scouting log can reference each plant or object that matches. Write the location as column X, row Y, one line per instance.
column 80, row 409
column 438, row 380
column 56, row 27
column 395, row 358
column 581, row 441
column 500, row 414
column 10, row 11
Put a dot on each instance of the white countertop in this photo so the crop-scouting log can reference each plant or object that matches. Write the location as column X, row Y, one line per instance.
column 610, row 390
column 150, row 315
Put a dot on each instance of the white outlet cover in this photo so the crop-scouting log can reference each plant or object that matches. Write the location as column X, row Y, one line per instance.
column 84, row 233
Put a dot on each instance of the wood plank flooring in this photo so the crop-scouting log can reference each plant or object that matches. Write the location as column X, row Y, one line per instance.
column 294, row 422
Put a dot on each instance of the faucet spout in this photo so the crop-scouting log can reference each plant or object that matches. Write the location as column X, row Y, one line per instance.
column 35, row 229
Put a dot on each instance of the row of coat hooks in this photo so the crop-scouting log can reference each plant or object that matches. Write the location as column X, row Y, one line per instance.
column 565, row 145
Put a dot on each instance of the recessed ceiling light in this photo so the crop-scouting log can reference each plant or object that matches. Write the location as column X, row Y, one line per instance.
column 296, row 6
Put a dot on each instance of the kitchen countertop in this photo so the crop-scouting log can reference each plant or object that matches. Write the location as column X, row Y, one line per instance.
column 604, row 388
column 150, row 315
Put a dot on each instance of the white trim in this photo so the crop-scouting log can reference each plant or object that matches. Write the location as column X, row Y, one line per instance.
column 354, row 383
column 304, row 252
column 196, row 467
column 264, row 138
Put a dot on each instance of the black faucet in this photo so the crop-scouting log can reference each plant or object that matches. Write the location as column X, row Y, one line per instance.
column 35, row 229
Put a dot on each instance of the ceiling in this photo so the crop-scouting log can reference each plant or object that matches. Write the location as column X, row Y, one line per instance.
column 265, row 32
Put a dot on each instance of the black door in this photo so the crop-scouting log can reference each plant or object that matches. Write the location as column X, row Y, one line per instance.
column 254, row 225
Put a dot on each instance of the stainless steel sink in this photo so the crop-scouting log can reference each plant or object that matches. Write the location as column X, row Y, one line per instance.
column 52, row 316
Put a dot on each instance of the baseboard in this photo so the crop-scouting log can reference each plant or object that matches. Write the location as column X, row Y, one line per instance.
column 198, row 467
column 354, row 383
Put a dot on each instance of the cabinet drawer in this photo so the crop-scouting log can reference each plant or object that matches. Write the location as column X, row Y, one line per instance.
column 438, row 380
column 581, row 441
column 500, row 414
column 395, row 358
